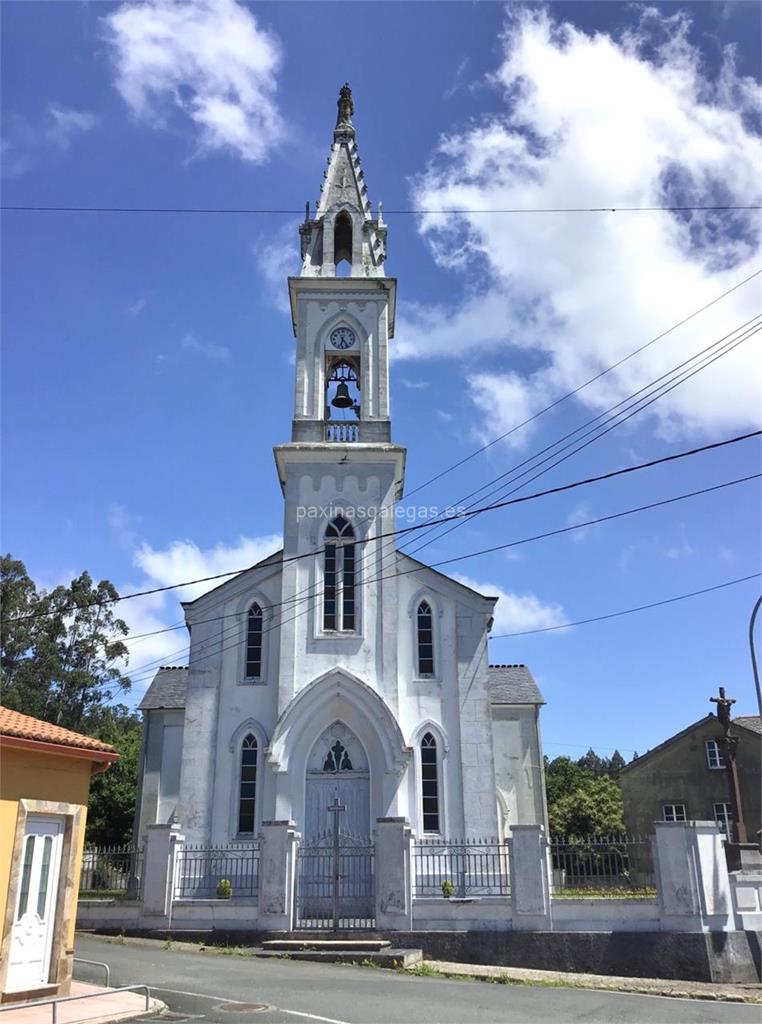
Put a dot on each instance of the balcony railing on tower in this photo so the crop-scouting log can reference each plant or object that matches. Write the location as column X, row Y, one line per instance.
column 341, row 431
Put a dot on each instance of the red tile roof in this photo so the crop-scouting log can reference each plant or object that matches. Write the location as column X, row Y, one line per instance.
column 13, row 723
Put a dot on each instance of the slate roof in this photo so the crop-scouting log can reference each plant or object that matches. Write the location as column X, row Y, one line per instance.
column 24, row 727
column 513, row 684
column 167, row 689
column 752, row 722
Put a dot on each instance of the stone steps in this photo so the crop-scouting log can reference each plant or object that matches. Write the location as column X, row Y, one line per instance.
column 346, row 951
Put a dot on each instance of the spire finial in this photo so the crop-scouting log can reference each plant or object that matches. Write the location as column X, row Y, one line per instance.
column 346, row 106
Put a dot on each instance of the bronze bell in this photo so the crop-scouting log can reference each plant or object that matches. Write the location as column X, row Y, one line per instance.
column 342, row 399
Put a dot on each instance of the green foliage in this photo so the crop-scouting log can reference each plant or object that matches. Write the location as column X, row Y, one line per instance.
column 583, row 796
column 447, row 888
column 224, row 889
column 62, row 653
column 593, row 809
column 62, row 650
column 111, row 809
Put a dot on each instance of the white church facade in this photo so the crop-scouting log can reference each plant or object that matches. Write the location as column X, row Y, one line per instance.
column 340, row 667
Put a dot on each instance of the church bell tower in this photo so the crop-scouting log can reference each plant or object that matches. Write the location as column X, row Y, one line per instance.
column 340, row 473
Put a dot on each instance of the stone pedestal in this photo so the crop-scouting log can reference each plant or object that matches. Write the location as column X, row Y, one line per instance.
column 162, row 844
column 393, row 863
column 530, row 878
column 692, row 876
column 277, row 866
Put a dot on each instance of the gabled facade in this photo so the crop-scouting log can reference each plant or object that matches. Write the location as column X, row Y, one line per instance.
column 684, row 778
column 339, row 666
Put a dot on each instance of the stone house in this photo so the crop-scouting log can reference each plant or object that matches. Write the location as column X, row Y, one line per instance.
column 684, row 778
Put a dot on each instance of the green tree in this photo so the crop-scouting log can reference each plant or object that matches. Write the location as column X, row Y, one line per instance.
column 111, row 808
column 593, row 809
column 62, row 651
column 562, row 777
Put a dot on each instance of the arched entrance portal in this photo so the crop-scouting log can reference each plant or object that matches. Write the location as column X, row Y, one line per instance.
column 337, row 770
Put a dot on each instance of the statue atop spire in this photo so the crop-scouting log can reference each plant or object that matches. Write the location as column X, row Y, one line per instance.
column 346, row 107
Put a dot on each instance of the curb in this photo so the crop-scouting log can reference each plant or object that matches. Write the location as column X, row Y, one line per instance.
column 639, row 986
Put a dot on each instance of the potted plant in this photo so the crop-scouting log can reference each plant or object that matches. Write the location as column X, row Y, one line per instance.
column 224, row 889
column 447, row 888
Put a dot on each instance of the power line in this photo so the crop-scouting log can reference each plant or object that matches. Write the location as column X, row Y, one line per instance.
column 312, row 592
column 635, row 407
column 474, row 554
column 629, row 611
column 587, row 383
column 572, row 485
column 247, row 210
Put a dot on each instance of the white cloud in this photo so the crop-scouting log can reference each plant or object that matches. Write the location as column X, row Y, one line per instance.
column 137, row 307
column 277, row 257
column 597, row 121
column 517, row 612
column 185, row 560
column 209, row 350
column 211, row 60
column 66, row 124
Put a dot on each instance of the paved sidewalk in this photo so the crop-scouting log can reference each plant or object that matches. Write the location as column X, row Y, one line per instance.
column 106, row 1005
column 611, row 983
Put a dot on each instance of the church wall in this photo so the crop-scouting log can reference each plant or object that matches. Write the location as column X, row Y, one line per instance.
column 160, row 780
column 518, row 764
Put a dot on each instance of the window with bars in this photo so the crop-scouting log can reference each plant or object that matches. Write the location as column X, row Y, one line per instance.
column 674, row 812
column 430, row 783
column 247, row 793
column 339, row 577
column 254, row 643
column 425, row 635
column 723, row 815
column 714, row 756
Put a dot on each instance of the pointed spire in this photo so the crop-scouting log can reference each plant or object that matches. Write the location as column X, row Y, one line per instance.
column 344, row 195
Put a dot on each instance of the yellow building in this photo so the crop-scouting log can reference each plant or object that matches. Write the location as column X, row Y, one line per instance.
column 45, row 776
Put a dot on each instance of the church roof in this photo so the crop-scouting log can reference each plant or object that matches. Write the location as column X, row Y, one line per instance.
column 167, row 689
column 276, row 556
column 513, row 684
column 404, row 556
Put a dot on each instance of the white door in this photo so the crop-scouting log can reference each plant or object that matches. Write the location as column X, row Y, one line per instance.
column 34, row 920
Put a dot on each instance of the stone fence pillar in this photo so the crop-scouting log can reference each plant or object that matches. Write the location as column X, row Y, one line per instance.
column 277, row 871
column 530, row 878
column 692, row 877
column 393, row 863
column 162, row 845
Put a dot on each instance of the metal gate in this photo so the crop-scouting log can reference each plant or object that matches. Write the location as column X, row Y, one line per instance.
column 335, row 888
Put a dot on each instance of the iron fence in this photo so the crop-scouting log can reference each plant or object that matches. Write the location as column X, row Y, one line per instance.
column 460, row 868
column 111, row 871
column 602, row 865
column 201, row 871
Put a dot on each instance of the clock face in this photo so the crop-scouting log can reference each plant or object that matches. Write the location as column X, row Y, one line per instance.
column 342, row 337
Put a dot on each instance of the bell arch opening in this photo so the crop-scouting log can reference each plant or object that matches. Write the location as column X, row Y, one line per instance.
column 342, row 244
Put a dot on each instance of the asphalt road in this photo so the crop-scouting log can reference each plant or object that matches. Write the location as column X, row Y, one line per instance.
column 195, row 987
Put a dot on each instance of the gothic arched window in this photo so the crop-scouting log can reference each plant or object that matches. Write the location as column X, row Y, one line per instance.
column 339, row 576
column 254, row 643
column 425, row 636
column 430, row 783
column 247, row 793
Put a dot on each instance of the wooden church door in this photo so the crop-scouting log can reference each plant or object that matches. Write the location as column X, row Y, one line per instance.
column 337, row 768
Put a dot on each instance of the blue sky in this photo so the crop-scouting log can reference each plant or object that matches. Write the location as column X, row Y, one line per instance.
column 147, row 369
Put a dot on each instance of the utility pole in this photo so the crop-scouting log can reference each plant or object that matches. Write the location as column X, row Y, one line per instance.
column 755, row 669
column 729, row 747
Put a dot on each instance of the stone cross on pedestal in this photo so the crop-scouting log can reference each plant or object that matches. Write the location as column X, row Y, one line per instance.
column 729, row 745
